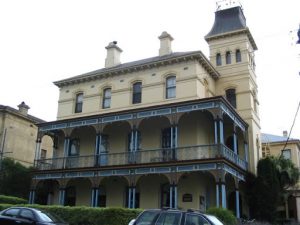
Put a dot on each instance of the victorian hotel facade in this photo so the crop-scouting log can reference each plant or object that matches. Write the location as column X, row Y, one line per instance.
column 176, row 130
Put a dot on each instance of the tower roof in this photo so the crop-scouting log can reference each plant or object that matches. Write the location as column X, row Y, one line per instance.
column 229, row 21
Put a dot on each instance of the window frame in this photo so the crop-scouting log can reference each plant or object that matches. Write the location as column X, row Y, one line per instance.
column 287, row 151
column 229, row 96
column 137, row 92
column 238, row 56
column 218, row 59
column 171, row 87
column 106, row 99
column 78, row 102
column 228, row 57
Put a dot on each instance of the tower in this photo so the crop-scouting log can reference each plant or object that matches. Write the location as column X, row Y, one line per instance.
column 232, row 50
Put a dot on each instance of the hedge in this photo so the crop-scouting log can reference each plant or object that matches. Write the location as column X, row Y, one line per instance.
column 82, row 215
column 4, row 199
column 224, row 215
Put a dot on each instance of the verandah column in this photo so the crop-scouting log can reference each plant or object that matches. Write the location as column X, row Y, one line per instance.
column 31, row 199
column 237, row 203
column 223, row 190
column 61, row 196
column 94, row 196
column 235, row 140
column 97, row 148
column 217, row 194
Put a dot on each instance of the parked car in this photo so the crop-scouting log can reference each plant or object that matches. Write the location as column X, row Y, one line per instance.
column 174, row 217
column 25, row 216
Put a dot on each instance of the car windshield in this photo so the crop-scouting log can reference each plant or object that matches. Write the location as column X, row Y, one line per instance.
column 147, row 217
column 47, row 217
column 214, row 220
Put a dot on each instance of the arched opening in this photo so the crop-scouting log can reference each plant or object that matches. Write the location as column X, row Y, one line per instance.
column 196, row 190
column 113, row 192
column 78, row 192
column 154, row 191
column 47, row 192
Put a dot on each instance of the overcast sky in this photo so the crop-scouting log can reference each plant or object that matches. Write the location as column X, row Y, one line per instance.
column 43, row 41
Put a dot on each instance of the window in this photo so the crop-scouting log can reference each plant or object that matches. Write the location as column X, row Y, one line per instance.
column 78, row 104
column 27, row 214
column 43, row 154
column 286, row 153
column 11, row 212
column 169, row 218
column 171, row 87
column 231, row 97
column 131, row 140
column 238, row 56
column 228, row 57
column 218, row 59
column 74, row 147
column 193, row 219
column 106, row 98
column 147, row 218
column 137, row 93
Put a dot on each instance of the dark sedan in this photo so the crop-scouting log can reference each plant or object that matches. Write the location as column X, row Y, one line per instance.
column 26, row 216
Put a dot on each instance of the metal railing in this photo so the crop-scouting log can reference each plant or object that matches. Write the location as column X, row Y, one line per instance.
column 143, row 157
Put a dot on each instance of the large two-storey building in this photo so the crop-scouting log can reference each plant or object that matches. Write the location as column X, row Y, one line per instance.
column 179, row 129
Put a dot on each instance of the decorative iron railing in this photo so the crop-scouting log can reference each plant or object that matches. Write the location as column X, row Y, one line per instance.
column 143, row 157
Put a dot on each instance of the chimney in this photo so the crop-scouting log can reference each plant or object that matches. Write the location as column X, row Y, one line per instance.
column 165, row 44
column 285, row 133
column 113, row 55
column 23, row 108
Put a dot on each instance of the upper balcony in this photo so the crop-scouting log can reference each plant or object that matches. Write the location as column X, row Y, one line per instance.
column 203, row 153
column 199, row 131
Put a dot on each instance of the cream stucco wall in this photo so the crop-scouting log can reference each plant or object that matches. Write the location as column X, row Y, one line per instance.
column 20, row 140
column 188, row 84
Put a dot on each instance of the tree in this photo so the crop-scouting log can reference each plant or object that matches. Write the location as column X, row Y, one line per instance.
column 265, row 192
column 14, row 179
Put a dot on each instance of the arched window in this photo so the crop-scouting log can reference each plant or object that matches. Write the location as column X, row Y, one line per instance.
column 78, row 103
column 238, row 56
column 231, row 96
column 137, row 93
column 106, row 98
column 228, row 57
column 218, row 59
column 171, row 87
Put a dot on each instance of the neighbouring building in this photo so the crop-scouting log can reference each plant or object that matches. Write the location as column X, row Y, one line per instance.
column 176, row 130
column 18, row 132
column 273, row 145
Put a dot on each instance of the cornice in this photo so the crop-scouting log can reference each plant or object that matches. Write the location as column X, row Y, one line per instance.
column 119, row 70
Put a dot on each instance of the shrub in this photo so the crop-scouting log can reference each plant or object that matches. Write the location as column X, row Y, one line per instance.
column 11, row 200
column 82, row 215
column 224, row 215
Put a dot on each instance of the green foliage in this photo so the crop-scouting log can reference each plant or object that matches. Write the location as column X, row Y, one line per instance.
column 11, row 200
column 87, row 215
column 224, row 215
column 14, row 179
column 265, row 192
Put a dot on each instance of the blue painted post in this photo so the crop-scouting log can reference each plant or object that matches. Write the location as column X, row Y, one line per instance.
column 217, row 195
column 235, row 142
column 246, row 151
column 171, row 196
column 66, row 150
column 61, row 196
column 221, row 131
column 223, row 196
column 175, row 197
column 237, row 203
column 133, row 197
column 97, row 196
column 93, row 197
column 216, row 131
column 129, row 198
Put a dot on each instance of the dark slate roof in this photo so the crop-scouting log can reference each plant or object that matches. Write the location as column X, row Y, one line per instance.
column 270, row 138
column 143, row 64
column 228, row 21
column 31, row 118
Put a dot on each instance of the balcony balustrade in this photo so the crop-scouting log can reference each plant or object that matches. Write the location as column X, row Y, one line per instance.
column 143, row 157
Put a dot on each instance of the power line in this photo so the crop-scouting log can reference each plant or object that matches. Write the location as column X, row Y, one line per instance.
column 292, row 126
